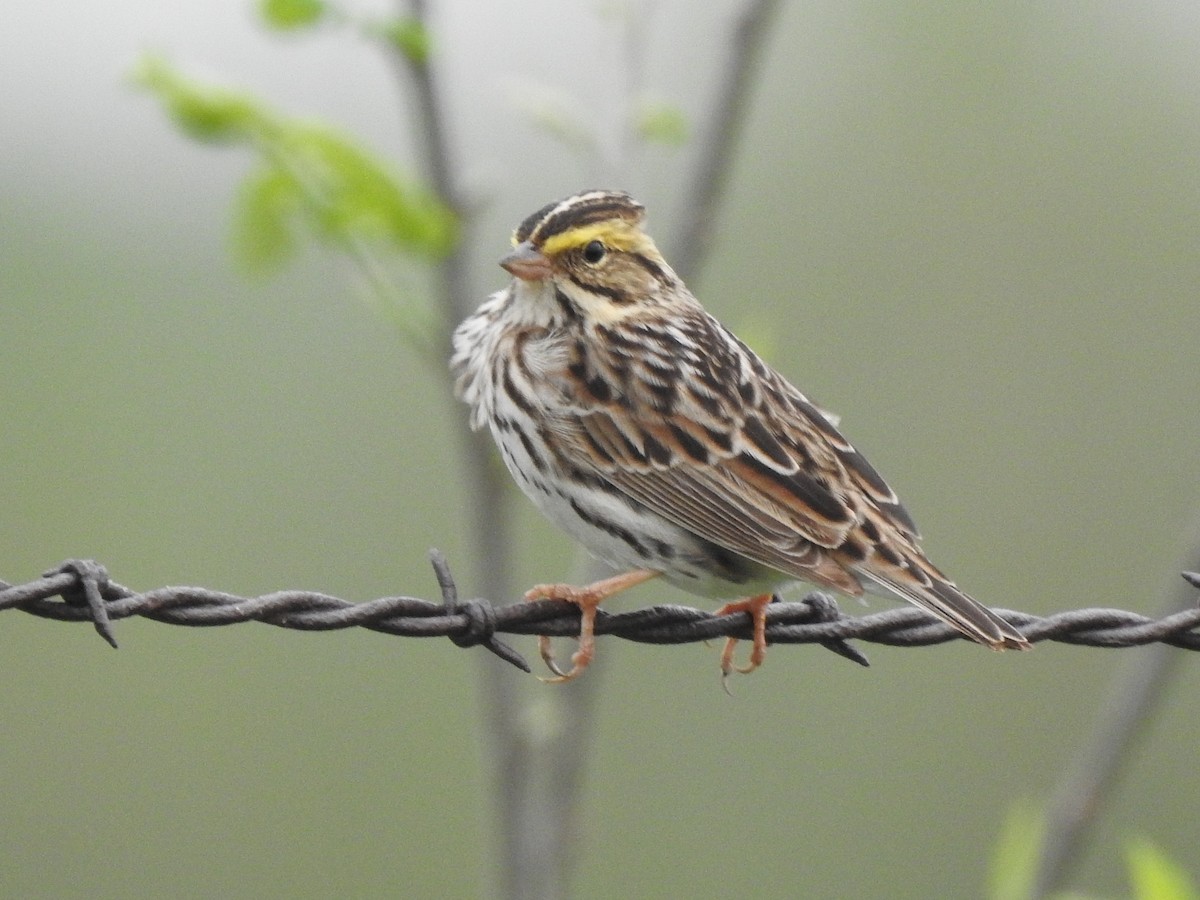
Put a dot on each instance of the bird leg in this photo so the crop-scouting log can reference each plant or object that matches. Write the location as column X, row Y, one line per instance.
column 587, row 599
column 757, row 608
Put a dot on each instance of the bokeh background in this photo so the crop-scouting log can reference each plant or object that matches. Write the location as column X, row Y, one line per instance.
column 972, row 230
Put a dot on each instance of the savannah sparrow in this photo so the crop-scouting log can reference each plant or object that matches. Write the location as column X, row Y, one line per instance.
column 648, row 432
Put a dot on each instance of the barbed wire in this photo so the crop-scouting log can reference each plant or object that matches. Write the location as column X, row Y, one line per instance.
column 80, row 590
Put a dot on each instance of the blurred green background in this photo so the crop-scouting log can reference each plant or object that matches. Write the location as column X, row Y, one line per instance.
column 971, row 230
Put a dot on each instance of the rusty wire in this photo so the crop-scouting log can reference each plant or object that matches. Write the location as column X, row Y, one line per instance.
column 81, row 591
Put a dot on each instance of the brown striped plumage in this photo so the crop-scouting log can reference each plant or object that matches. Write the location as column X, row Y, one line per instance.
column 650, row 433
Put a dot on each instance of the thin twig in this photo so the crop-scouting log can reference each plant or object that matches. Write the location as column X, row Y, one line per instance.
column 704, row 189
column 457, row 300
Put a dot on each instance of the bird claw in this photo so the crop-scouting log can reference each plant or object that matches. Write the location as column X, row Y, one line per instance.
column 546, row 649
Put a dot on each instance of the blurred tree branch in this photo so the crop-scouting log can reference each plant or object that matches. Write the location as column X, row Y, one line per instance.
column 1126, row 715
column 524, row 866
column 707, row 184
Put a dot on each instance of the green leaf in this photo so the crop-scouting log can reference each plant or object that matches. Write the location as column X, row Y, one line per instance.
column 1015, row 857
column 267, row 204
column 409, row 36
column 350, row 193
column 663, row 124
column 1155, row 877
column 205, row 112
column 312, row 177
column 290, row 15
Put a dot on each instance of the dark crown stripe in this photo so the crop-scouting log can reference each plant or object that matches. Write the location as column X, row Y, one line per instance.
column 531, row 222
column 577, row 216
column 581, row 209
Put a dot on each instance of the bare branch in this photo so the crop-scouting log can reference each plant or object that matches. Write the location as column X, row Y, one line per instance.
column 456, row 299
column 716, row 151
column 490, row 538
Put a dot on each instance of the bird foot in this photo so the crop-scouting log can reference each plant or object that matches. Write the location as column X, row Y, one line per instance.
column 587, row 598
column 757, row 609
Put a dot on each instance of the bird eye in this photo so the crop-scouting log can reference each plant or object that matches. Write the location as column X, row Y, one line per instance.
column 594, row 252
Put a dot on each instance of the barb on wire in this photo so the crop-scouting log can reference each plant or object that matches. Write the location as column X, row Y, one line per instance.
column 81, row 591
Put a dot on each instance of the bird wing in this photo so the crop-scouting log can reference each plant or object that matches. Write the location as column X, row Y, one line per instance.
column 693, row 425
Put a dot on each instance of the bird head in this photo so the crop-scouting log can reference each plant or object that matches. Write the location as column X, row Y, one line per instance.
column 591, row 249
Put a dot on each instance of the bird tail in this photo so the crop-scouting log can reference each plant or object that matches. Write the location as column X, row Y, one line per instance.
column 944, row 600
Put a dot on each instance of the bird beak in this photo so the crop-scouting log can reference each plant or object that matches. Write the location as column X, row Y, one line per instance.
column 526, row 263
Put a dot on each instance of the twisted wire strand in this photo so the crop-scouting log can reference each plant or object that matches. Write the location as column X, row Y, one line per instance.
column 81, row 591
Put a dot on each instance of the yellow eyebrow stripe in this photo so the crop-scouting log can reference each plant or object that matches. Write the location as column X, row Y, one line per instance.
column 617, row 235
